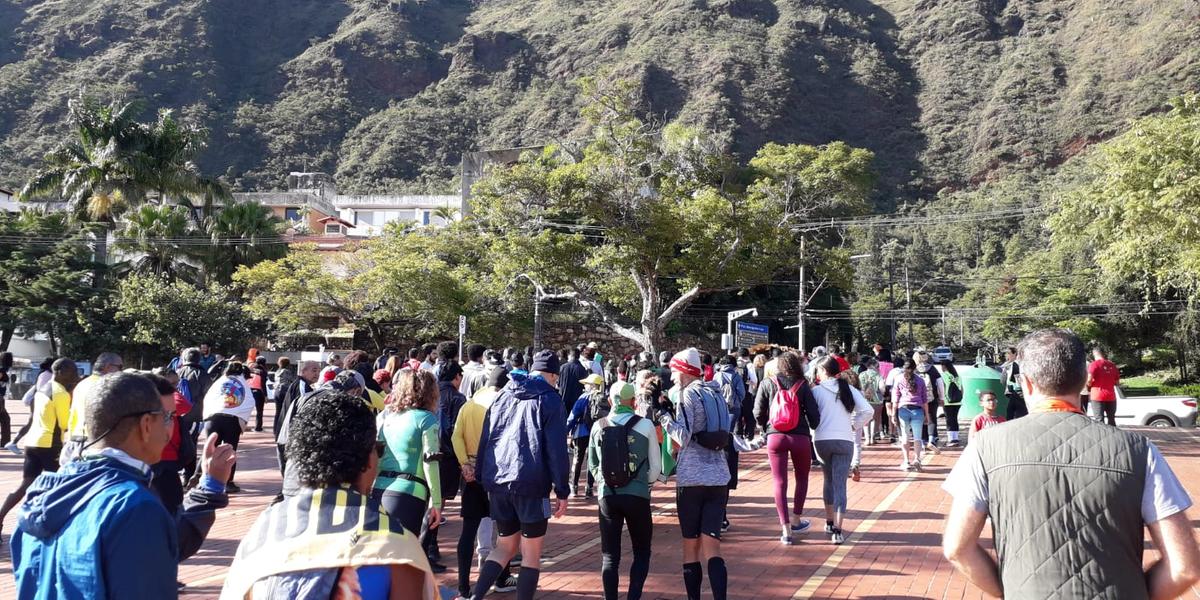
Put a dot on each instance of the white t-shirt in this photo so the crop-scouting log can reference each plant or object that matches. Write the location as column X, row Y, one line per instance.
column 836, row 422
column 229, row 396
column 1162, row 494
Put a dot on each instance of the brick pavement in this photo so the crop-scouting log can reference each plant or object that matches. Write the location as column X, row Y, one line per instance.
column 892, row 551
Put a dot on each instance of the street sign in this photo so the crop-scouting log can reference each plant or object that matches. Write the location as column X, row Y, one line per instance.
column 750, row 334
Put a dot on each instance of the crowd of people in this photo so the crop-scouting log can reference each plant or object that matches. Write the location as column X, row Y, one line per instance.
column 124, row 470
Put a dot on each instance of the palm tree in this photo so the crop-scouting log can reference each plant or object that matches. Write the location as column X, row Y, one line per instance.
column 241, row 233
column 159, row 234
column 446, row 214
column 112, row 162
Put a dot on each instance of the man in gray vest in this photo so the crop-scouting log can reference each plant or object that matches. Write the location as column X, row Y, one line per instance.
column 1068, row 497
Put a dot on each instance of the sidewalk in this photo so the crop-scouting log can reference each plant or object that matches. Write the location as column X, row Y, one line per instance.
column 892, row 550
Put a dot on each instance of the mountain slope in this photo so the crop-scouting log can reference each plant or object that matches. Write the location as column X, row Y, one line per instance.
column 387, row 94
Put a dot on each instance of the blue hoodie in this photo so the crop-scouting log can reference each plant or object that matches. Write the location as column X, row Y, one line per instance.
column 523, row 446
column 95, row 530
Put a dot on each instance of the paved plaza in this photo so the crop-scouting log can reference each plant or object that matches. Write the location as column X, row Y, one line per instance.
column 893, row 549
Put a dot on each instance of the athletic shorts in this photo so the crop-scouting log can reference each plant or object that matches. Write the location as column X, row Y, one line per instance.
column 474, row 501
column 39, row 460
column 513, row 513
column 701, row 509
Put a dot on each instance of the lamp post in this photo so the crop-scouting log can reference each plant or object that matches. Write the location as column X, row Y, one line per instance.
column 732, row 316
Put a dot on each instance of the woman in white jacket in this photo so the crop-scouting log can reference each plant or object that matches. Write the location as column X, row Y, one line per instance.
column 844, row 412
column 228, row 406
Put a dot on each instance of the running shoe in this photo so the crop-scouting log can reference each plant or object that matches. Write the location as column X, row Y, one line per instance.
column 854, row 474
column 507, row 585
column 828, row 528
column 932, row 447
column 786, row 539
column 803, row 525
column 952, row 444
column 906, row 466
column 836, row 537
column 232, row 488
column 12, row 447
column 724, row 525
column 437, row 567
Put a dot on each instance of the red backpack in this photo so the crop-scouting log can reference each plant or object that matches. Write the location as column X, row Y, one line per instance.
column 785, row 407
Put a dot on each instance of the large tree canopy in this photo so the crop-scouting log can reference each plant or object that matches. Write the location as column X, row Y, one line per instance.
column 640, row 221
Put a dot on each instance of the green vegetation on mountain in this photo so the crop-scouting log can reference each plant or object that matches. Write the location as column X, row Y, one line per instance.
column 387, row 94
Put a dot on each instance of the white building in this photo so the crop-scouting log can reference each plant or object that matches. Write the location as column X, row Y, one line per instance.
column 312, row 199
column 8, row 201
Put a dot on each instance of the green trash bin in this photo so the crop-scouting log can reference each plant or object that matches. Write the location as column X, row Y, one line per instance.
column 975, row 380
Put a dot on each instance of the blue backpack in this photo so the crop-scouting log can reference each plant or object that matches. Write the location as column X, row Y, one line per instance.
column 716, row 434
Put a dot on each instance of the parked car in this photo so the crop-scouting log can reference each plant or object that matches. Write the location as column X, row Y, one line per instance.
column 942, row 353
column 1155, row 411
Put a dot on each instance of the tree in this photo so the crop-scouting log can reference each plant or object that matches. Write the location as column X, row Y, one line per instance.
column 162, row 316
column 240, row 234
column 1136, row 216
column 112, row 162
column 159, row 237
column 387, row 281
column 48, row 276
column 642, row 220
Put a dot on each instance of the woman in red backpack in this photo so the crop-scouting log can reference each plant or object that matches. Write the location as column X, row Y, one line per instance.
column 785, row 409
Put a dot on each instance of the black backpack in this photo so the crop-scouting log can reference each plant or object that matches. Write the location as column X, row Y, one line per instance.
column 616, row 459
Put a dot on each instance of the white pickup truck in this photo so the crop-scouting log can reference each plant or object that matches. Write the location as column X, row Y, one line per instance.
column 1155, row 411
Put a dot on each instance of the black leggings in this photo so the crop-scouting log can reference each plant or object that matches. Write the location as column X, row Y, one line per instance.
column 581, row 444
column 229, row 431
column 5, row 423
column 260, row 402
column 745, row 424
column 406, row 508
column 615, row 512
column 951, row 416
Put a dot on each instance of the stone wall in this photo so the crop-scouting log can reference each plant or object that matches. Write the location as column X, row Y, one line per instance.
column 563, row 335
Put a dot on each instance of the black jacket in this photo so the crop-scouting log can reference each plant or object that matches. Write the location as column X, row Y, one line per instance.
column 285, row 398
column 570, row 382
column 810, row 414
column 198, row 384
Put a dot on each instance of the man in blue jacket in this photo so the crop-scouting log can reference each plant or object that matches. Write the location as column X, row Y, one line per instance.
column 95, row 529
column 522, row 458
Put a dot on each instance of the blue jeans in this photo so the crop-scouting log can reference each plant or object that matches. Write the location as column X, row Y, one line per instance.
column 911, row 420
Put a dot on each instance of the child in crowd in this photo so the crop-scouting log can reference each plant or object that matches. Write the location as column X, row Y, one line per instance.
column 988, row 418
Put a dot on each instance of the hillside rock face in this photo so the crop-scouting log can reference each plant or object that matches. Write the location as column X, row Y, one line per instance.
column 387, row 94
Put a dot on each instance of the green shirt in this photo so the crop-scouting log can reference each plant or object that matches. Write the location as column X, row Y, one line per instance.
column 409, row 437
column 643, row 451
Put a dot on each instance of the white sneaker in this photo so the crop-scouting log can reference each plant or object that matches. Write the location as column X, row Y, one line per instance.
column 12, row 447
column 836, row 537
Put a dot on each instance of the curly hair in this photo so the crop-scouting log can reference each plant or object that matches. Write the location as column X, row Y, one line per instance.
column 414, row 389
column 791, row 366
column 331, row 439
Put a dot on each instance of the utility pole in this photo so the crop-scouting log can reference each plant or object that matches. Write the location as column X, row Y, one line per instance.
column 803, row 304
column 908, row 301
column 892, row 309
column 962, row 337
column 943, row 325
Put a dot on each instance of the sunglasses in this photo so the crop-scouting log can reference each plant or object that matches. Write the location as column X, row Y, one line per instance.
column 166, row 415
